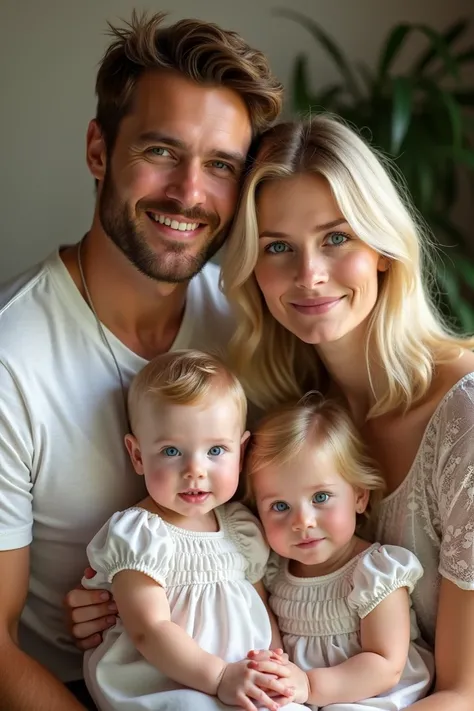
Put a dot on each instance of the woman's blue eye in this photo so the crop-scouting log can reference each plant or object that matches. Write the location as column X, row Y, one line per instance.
column 215, row 451
column 320, row 498
column 337, row 238
column 277, row 248
column 280, row 506
column 171, row 452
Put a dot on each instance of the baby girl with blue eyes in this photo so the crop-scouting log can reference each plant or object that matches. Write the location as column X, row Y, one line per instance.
column 184, row 566
column 342, row 604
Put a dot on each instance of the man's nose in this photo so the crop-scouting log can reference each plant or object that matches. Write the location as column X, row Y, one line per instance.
column 187, row 184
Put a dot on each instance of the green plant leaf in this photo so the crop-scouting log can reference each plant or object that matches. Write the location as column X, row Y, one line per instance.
column 465, row 156
column 401, row 112
column 299, row 84
column 327, row 42
column 450, row 35
column 367, row 76
column 464, row 98
column 391, row 48
column 439, row 221
column 440, row 48
column 444, row 99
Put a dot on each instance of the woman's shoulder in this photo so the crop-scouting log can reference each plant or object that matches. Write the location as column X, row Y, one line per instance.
column 452, row 391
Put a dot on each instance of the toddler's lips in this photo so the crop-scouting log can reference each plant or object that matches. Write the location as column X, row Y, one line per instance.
column 194, row 497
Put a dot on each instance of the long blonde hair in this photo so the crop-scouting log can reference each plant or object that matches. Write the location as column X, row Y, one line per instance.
column 406, row 333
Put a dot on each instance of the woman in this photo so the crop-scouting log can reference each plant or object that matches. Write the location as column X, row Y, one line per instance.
column 328, row 269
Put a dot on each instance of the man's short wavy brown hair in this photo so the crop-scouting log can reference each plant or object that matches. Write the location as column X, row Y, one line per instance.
column 200, row 51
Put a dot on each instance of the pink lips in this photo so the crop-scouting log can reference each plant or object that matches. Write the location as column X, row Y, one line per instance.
column 310, row 542
column 197, row 497
column 319, row 305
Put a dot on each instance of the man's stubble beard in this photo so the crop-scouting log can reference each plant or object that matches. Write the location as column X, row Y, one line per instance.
column 174, row 266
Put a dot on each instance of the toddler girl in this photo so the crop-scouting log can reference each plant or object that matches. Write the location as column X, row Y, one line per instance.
column 342, row 605
column 184, row 566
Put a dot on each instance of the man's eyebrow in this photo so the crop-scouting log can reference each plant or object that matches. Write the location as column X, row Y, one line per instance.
column 155, row 137
column 317, row 228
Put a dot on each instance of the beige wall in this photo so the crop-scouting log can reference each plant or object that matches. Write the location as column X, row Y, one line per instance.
column 49, row 51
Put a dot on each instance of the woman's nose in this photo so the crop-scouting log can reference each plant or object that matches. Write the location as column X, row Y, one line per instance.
column 312, row 271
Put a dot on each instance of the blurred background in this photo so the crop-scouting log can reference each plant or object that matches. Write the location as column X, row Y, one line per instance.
column 401, row 69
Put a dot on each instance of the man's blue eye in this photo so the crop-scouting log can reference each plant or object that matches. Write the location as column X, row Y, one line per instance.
column 320, row 498
column 277, row 248
column 158, row 150
column 171, row 452
column 215, row 451
column 280, row 506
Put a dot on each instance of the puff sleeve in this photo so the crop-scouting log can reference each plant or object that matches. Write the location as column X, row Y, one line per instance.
column 247, row 533
column 130, row 540
column 272, row 570
column 380, row 572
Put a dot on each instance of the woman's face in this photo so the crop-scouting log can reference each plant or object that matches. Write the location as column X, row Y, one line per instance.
column 319, row 280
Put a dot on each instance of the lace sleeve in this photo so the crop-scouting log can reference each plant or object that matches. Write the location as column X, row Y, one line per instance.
column 453, row 485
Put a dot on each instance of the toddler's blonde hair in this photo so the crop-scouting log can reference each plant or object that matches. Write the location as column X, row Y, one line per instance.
column 184, row 377
column 323, row 424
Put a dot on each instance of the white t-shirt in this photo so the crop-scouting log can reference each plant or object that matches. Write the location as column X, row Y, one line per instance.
column 64, row 469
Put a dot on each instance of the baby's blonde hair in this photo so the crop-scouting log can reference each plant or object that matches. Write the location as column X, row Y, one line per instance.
column 184, row 377
column 324, row 425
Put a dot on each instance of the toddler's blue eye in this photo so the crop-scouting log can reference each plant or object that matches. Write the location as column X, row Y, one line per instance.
column 171, row 452
column 320, row 498
column 277, row 248
column 215, row 451
column 280, row 506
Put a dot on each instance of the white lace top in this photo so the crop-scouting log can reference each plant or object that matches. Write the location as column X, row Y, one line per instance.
column 432, row 511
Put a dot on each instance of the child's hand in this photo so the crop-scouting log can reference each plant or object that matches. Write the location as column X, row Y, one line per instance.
column 273, row 655
column 241, row 685
column 295, row 678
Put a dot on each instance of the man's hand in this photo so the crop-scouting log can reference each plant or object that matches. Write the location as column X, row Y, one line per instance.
column 241, row 685
column 89, row 613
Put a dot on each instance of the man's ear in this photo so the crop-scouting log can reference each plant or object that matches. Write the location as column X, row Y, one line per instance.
column 133, row 448
column 244, row 440
column 96, row 155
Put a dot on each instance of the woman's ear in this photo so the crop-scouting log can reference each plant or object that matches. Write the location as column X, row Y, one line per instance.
column 383, row 264
column 133, row 449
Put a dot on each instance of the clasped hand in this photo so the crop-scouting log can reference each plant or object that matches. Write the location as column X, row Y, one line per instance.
column 260, row 680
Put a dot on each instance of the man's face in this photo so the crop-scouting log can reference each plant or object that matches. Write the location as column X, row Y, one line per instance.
column 172, row 181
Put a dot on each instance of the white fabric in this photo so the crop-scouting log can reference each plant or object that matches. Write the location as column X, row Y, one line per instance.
column 208, row 581
column 432, row 511
column 319, row 618
column 63, row 466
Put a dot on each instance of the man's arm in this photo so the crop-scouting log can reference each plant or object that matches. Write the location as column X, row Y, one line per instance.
column 24, row 684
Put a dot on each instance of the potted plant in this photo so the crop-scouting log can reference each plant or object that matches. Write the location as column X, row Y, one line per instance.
column 422, row 119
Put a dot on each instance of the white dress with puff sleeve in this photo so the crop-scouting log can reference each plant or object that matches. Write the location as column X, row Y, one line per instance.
column 208, row 581
column 319, row 618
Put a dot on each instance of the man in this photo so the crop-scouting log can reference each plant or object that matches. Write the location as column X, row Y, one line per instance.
column 177, row 110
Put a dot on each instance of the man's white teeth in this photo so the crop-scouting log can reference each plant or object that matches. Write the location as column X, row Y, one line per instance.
column 174, row 224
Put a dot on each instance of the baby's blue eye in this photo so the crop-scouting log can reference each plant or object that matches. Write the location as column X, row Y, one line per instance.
column 280, row 506
column 171, row 452
column 276, row 248
column 320, row 498
column 337, row 238
column 215, row 451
